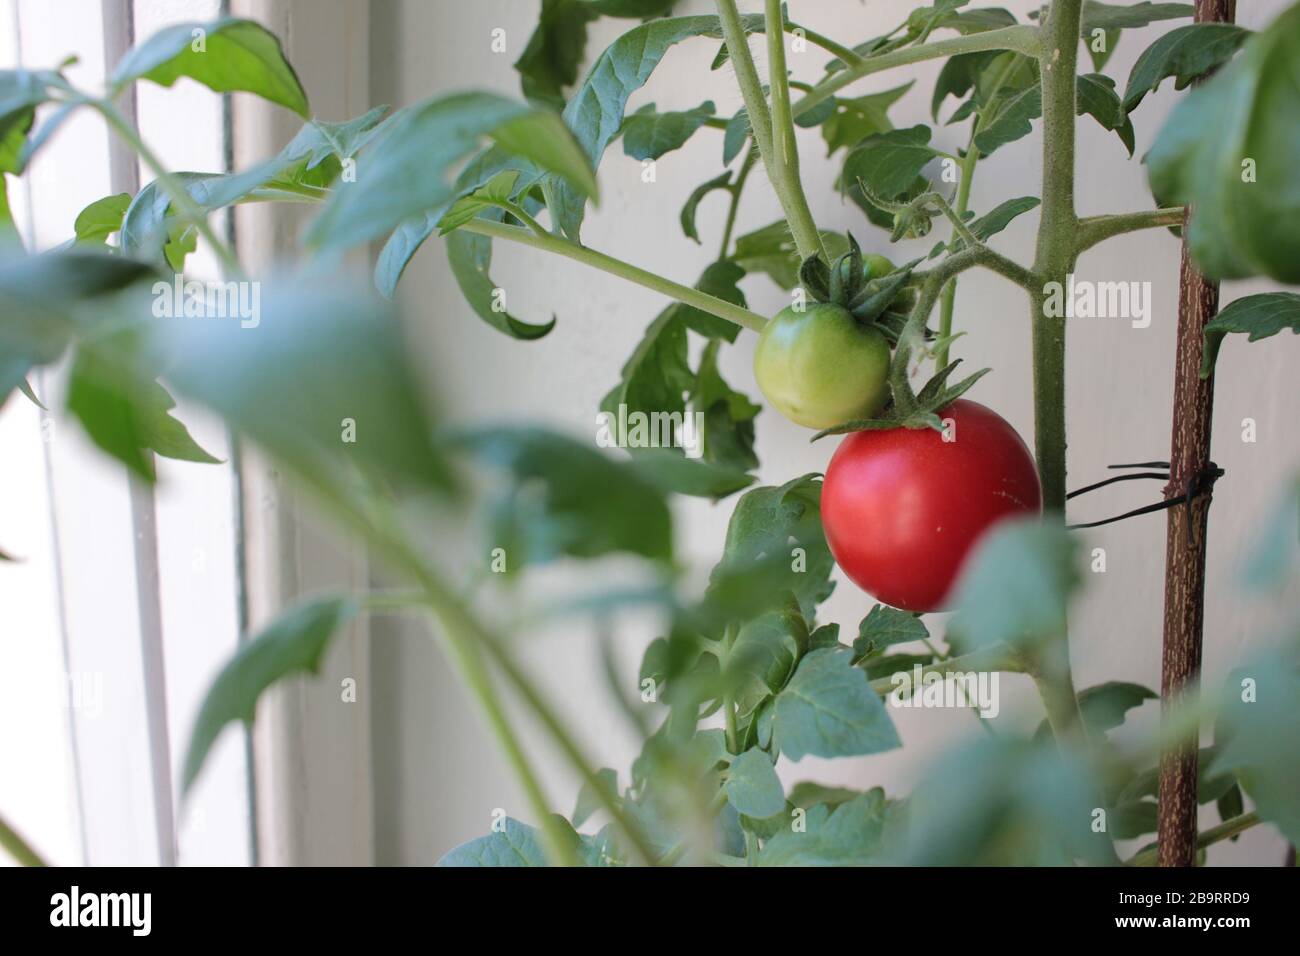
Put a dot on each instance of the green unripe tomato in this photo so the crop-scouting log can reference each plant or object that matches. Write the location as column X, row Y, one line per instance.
column 875, row 265
column 821, row 367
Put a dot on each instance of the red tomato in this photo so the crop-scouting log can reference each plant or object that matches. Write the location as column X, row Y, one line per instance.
column 904, row 508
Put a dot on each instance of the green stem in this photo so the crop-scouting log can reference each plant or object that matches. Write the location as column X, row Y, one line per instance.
column 17, row 847
column 948, row 300
column 998, row 658
column 728, row 698
column 1053, row 261
column 826, row 43
column 1224, row 831
column 1021, row 38
column 1095, row 229
column 768, row 136
column 734, row 207
column 624, row 270
column 785, row 150
column 1057, row 232
column 465, row 657
column 185, row 205
column 380, row 526
column 751, row 88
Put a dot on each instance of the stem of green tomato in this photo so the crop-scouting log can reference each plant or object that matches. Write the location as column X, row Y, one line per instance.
column 1224, row 831
column 624, row 270
column 784, row 159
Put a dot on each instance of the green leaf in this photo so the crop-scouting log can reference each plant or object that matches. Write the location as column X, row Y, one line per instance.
column 772, row 250
column 227, row 55
column 853, row 120
column 588, row 801
column 693, row 203
column 807, row 794
column 498, row 190
column 126, row 415
column 674, row 473
column 515, row 844
column 595, row 113
column 990, row 224
column 1186, row 54
column 1005, row 801
column 735, row 136
column 648, row 134
column 47, row 299
column 1097, row 98
column 322, row 381
column 1225, row 151
column 721, row 280
column 1017, row 585
column 1230, row 804
column 1274, row 561
column 101, row 219
column 470, row 258
column 728, row 415
column 1119, row 16
column 1258, row 735
column 565, row 498
column 294, row 644
column 781, row 527
column 884, row 627
column 852, row 834
column 1104, row 707
column 1128, row 821
column 888, row 163
column 549, row 64
column 753, row 787
column 21, row 91
column 1261, row 316
column 763, row 657
column 404, row 173
column 829, row 710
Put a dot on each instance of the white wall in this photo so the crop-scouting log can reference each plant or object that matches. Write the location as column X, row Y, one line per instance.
column 438, row 775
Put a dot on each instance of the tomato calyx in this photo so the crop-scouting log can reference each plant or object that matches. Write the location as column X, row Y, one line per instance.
column 844, row 283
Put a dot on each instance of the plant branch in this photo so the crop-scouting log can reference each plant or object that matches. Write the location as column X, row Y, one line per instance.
column 1185, row 533
column 733, row 207
column 1224, row 831
column 465, row 657
column 1022, row 38
column 624, row 270
column 784, row 159
column 1095, row 229
column 826, row 43
column 17, row 847
column 185, row 205
column 947, row 302
column 1000, row 658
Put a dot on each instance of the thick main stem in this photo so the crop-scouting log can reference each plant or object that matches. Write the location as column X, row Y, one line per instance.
column 1056, row 243
column 785, row 151
column 1189, row 460
column 769, row 138
column 1053, row 261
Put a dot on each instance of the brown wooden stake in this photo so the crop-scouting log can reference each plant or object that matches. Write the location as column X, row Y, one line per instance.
column 1189, row 465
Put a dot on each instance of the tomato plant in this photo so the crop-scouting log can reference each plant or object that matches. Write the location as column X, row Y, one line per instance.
column 746, row 675
column 904, row 508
